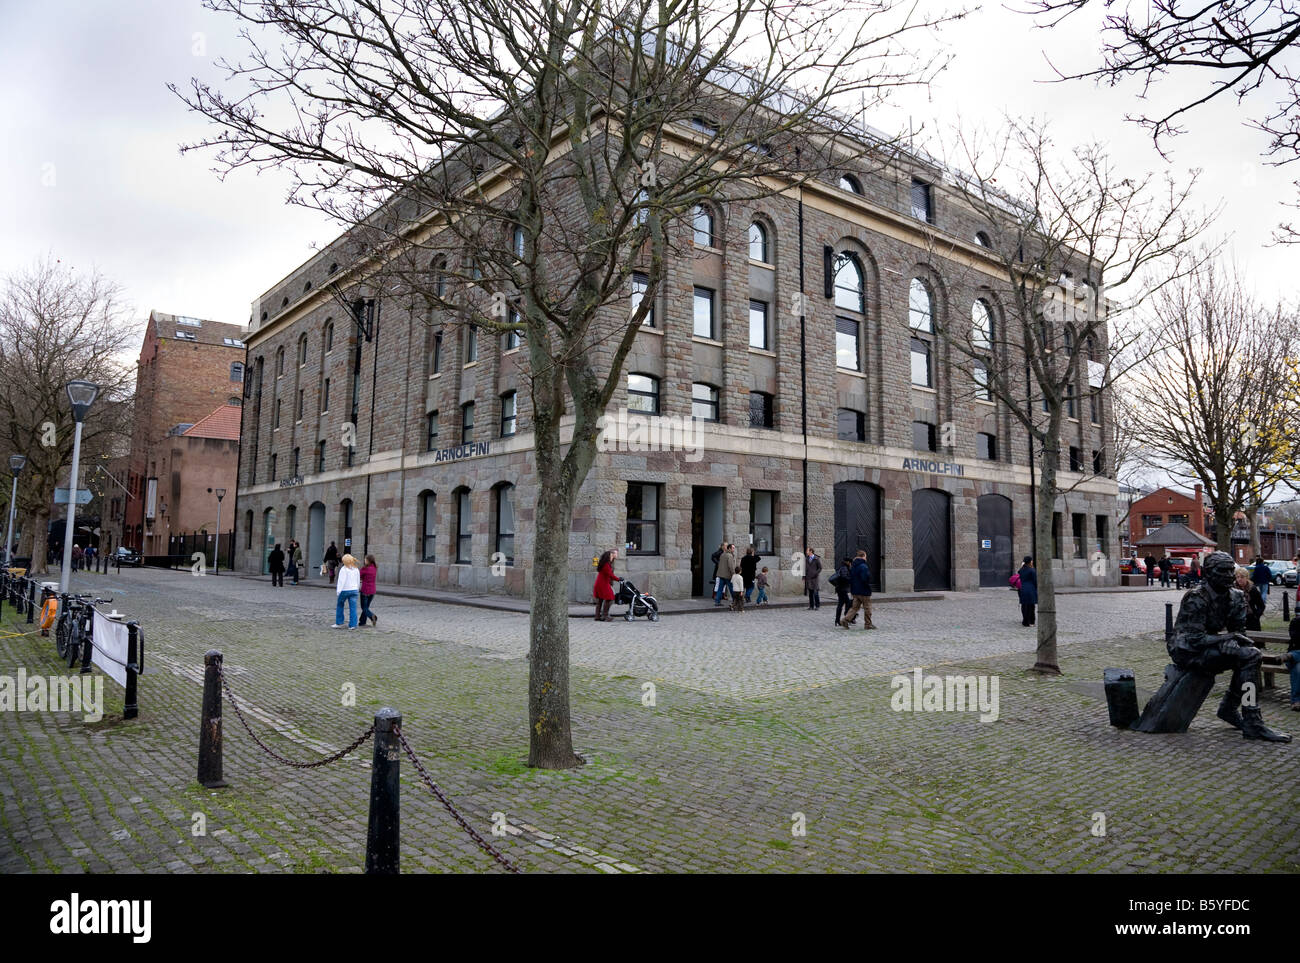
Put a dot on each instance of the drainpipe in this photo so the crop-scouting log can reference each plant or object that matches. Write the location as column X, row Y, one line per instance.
column 803, row 366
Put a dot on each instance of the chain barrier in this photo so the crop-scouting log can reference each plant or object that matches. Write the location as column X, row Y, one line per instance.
column 360, row 740
column 482, row 843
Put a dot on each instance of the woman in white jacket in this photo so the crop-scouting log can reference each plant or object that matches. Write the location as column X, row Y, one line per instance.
column 348, row 590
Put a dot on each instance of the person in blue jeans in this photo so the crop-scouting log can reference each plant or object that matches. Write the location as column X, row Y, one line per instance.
column 1293, row 661
column 348, row 590
column 1262, row 576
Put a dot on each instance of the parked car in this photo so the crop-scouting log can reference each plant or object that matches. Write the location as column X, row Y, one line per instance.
column 1132, row 566
column 125, row 556
column 1180, row 566
column 1289, row 578
column 1279, row 568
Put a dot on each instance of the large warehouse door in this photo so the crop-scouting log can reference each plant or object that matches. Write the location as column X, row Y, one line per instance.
column 707, row 505
column 995, row 540
column 315, row 537
column 857, row 525
column 931, row 541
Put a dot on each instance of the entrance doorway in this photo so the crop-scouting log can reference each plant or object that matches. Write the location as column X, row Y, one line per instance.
column 857, row 525
column 269, row 542
column 931, row 541
column 995, row 540
column 707, row 504
column 315, row 536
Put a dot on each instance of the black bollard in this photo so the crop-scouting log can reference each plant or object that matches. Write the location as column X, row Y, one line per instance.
column 131, row 705
column 210, row 775
column 1169, row 622
column 31, row 601
column 1286, row 606
column 383, row 836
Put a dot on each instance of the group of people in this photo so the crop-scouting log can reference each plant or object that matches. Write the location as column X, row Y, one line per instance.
column 83, row 558
column 737, row 579
column 353, row 584
column 1167, row 571
column 281, row 562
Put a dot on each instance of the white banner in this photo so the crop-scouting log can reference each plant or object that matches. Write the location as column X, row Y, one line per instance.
column 110, row 639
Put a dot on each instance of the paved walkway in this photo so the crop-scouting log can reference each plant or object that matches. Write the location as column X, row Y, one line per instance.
column 761, row 723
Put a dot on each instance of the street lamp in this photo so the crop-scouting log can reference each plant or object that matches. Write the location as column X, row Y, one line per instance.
column 82, row 394
column 216, row 565
column 16, row 463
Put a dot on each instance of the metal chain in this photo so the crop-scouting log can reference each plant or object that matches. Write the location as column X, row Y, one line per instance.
column 482, row 843
column 275, row 755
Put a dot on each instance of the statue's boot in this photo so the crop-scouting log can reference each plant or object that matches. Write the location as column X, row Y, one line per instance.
column 1228, row 708
column 1252, row 727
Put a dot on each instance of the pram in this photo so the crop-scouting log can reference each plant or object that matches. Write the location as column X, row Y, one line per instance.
column 638, row 605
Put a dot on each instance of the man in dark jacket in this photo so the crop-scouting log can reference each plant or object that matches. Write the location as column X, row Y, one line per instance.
column 275, row 565
column 748, row 569
column 1029, row 591
column 812, row 574
column 1262, row 576
column 1151, row 569
column 713, row 582
column 860, row 589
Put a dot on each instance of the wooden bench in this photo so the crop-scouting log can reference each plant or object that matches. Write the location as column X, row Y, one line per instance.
column 1274, row 662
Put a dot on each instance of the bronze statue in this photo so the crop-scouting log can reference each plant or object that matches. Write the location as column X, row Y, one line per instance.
column 1207, row 640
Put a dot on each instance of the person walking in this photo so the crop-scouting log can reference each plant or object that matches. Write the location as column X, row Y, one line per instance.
column 1029, row 591
column 346, row 591
column 1255, row 603
column 331, row 561
column 726, row 569
column 713, row 583
column 368, row 573
column 1262, row 576
column 603, row 590
column 860, row 589
column 840, row 582
column 748, row 569
column 812, row 574
column 77, row 555
column 1151, row 570
column 275, row 565
column 1164, row 571
column 760, row 580
column 295, row 560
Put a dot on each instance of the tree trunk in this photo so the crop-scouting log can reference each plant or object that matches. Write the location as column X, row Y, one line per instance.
column 40, row 542
column 1045, row 660
column 1223, row 530
column 1252, row 519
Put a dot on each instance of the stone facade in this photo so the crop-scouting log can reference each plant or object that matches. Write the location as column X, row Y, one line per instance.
column 393, row 463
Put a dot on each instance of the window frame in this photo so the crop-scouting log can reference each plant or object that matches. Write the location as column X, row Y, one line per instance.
column 858, row 291
column 768, row 412
column 428, row 525
column 467, row 423
column 702, row 213
column 856, row 335
column 929, row 362
column 931, row 438
column 924, row 214
column 432, row 427
column 504, row 492
column 714, row 402
column 640, row 285
column 464, row 533
column 513, row 418
column 652, row 522
column 859, row 427
column 765, row 325
column 638, row 393
column 704, row 295
column 756, row 527
column 990, row 446
column 763, row 241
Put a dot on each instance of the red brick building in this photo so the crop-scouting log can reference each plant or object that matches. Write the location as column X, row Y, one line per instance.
column 1163, row 506
column 190, row 371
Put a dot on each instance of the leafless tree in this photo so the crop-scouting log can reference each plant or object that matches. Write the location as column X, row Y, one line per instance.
column 1247, row 49
column 510, row 166
column 58, row 325
column 1076, row 246
column 1219, row 398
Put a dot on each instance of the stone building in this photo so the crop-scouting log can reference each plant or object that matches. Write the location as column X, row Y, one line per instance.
column 902, row 454
column 189, row 369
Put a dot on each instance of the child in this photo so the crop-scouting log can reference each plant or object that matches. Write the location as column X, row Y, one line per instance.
column 761, row 581
column 49, row 609
column 737, row 592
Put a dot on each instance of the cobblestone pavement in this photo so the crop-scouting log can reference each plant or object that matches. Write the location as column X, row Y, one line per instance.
column 763, row 723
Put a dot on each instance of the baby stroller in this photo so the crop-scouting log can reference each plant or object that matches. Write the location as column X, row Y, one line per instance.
column 638, row 605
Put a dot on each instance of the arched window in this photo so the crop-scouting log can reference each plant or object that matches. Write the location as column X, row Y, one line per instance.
column 345, row 519
column 440, row 276
column 517, row 242
column 464, row 536
column 279, row 362
column 702, row 219
column 329, row 334
column 981, row 324
column 982, row 239
column 643, row 393
column 640, row 208
column 758, row 243
column 849, row 287
column 850, row 183
column 1067, row 341
column 237, row 371
column 505, row 521
column 428, row 526
column 302, row 349
column 290, row 521
column 920, row 308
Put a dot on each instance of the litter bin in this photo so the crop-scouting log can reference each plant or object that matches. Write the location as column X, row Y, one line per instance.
column 1121, row 697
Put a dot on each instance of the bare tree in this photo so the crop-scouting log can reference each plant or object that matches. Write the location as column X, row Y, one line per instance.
column 1247, row 49
column 509, row 166
column 57, row 326
column 1077, row 247
column 1220, row 394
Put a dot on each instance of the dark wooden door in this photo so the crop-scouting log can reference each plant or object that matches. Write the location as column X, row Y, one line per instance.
column 995, row 540
column 931, row 541
column 857, row 525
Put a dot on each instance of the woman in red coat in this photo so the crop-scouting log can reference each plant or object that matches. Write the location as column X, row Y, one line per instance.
column 603, row 590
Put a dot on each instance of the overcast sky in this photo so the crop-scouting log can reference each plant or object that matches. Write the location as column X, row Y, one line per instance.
column 90, row 172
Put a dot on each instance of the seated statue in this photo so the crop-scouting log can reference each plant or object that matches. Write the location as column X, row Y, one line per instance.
column 1207, row 639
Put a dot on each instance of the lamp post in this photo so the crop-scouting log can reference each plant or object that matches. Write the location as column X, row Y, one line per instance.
column 16, row 463
column 220, row 493
column 82, row 394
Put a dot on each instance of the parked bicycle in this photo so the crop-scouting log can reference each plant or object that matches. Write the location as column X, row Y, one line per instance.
column 73, row 629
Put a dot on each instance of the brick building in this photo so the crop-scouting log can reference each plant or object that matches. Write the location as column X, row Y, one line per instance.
column 189, row 369
column 440, row 480
column 1165, row 505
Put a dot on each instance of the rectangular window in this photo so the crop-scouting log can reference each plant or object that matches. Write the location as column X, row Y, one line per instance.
column 1079, row 526
column 642, row 519
column 507, row 414
column 1098, row 463
column 986, row 446
column 643, row 394
column 923, row 438
column 514, row 337
column 506, row 523
column 1180, row 519
column 1069, row 401
column 431, row 431
column 1152, row 521
column 325, row 396
column 1076, row 459
column 277, row 413
column 429, row 531
column 1103, row 534
column 467, row 423
column 847, row 354
column 758, row 324
column 464, row 537
column 704, row 318
column 760, row 410
column 981, row 373
column 850, row 425
column 922, row 208
column 320, row 456
column 640, row 284
column 762, row 516
column 435, row 360
column 921, row 372
column 295, row 461
column 1094, row 408
column 471, row 344
column 1056, row 535
column 302, row 396
column 704, row 402
column 273, row 460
